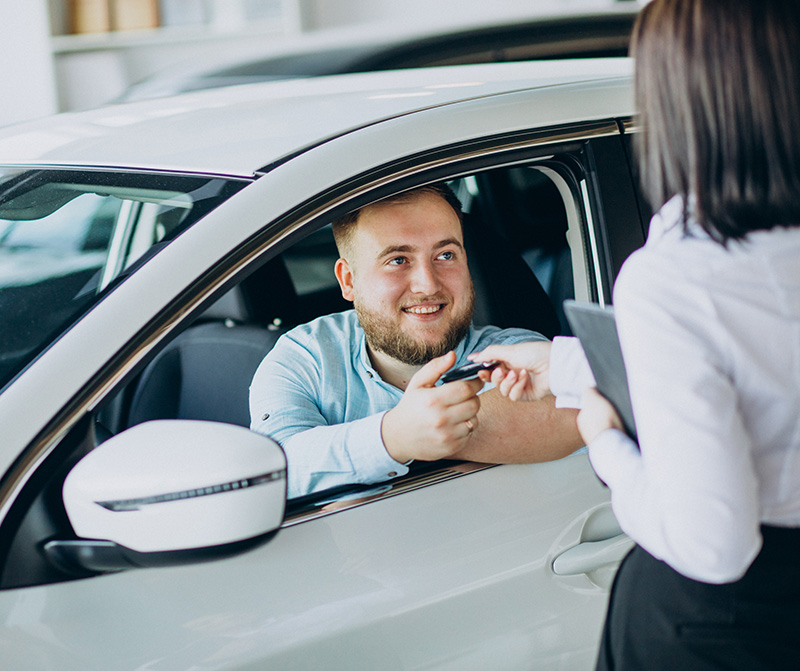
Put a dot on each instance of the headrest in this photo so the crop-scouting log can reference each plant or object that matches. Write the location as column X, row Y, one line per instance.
column 266, row 297
column 507, row 292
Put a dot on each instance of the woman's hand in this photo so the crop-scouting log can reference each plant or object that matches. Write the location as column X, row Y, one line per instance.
column 596, row 415
column 523, row 373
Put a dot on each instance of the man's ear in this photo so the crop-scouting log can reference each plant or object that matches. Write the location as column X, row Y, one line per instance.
column 344, row 275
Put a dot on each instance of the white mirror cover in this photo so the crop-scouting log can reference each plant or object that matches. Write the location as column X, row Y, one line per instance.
column 172, row 485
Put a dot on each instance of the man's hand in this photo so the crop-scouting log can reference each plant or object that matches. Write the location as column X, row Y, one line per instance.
column 524, row 370
column 430, row 422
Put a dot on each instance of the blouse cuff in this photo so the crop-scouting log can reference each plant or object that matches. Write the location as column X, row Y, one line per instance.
column 614, row 457
column 570, row 374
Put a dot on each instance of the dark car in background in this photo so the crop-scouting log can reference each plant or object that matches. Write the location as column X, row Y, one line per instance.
column 369, row 48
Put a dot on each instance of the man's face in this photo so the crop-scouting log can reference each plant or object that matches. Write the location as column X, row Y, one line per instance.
column 408, row 278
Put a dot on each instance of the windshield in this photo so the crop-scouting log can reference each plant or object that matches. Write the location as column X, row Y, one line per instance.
column 67, row 236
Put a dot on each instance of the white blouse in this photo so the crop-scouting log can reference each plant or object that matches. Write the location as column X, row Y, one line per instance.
column 711, row 341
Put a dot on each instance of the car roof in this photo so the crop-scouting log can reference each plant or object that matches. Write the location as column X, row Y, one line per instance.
column 239, row 130
column 375, row 46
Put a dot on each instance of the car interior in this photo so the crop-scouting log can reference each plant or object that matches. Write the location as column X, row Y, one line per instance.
column 515, row 226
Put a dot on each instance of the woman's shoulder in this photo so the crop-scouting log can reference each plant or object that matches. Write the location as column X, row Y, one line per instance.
column 662, row 282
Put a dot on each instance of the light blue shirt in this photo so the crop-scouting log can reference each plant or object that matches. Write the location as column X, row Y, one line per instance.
column 318, row 395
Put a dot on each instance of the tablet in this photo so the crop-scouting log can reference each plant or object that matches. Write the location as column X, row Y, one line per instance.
column 596, row 328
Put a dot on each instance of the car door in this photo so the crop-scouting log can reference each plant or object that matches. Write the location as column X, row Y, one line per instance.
column 460, row 566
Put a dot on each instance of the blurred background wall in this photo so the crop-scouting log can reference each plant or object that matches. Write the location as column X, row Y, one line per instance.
column 62, row 55
column 27, row 82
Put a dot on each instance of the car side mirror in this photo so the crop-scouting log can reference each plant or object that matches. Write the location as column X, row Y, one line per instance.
column 171, row 492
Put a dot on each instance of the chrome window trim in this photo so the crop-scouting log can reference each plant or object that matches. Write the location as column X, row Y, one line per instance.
column 587, row 210
column 92, row 394
column 384, row 490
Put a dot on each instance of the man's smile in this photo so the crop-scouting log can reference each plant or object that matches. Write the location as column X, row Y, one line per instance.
column 423, row 309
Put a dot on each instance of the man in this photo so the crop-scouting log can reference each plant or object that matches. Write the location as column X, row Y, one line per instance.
column 352, row 397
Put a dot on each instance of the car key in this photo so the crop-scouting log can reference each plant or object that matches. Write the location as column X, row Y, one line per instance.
column 468, row 371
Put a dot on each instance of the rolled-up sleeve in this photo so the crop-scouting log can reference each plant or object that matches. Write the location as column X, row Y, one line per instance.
column 570, row 373
column 320, row 453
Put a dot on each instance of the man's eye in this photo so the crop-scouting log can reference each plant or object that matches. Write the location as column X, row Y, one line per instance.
column 397, row 261
column 447, row 256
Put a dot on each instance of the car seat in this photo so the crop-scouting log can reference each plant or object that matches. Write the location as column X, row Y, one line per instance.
column 205, row 372
column 507, row 292
column 526, row 210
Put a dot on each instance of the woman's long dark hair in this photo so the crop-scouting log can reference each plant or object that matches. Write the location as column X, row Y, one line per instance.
column 718, row 89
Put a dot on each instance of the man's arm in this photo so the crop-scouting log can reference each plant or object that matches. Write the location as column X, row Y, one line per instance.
column 321, row 452
column 509, row 432
column 431, row 422
column 513, row 432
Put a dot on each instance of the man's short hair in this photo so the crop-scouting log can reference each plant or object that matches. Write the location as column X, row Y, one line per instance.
column 343, row 227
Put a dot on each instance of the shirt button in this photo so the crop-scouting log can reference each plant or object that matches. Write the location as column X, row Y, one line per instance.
column 369, row 374
column 392, row 474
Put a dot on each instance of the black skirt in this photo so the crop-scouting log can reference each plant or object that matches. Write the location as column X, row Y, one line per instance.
column 659, row 619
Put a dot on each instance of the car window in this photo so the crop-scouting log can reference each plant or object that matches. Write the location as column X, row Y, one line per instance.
column 532, row 210
column 66, row 236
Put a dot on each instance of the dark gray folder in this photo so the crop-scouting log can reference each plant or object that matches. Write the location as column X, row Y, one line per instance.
column 596, row 328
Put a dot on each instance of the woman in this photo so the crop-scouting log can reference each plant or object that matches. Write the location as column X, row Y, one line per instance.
column 708, row 313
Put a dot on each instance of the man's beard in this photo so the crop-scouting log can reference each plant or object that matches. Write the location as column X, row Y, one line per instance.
column 386, row 336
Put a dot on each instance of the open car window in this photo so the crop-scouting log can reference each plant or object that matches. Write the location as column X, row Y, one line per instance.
column 523, row 230
column 533, row 217
column 66, row 236
column 534, row 237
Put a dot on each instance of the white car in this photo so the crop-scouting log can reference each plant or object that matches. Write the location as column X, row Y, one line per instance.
column 151, row 253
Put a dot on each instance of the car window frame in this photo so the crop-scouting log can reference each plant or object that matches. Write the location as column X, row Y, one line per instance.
column 593, row 246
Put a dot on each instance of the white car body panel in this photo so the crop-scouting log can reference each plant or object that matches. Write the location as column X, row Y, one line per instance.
column 417, row 581
column 388, row 34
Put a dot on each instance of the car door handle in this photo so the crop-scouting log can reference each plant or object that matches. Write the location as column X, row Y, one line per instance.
column 592, row 555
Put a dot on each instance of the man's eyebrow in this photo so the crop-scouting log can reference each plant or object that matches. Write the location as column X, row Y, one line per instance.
column 397, row 249
column 449, row 241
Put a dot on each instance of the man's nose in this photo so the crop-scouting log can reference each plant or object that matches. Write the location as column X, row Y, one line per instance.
column 425, row 279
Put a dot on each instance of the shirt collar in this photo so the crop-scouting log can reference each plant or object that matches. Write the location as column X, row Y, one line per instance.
column 668, row 223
